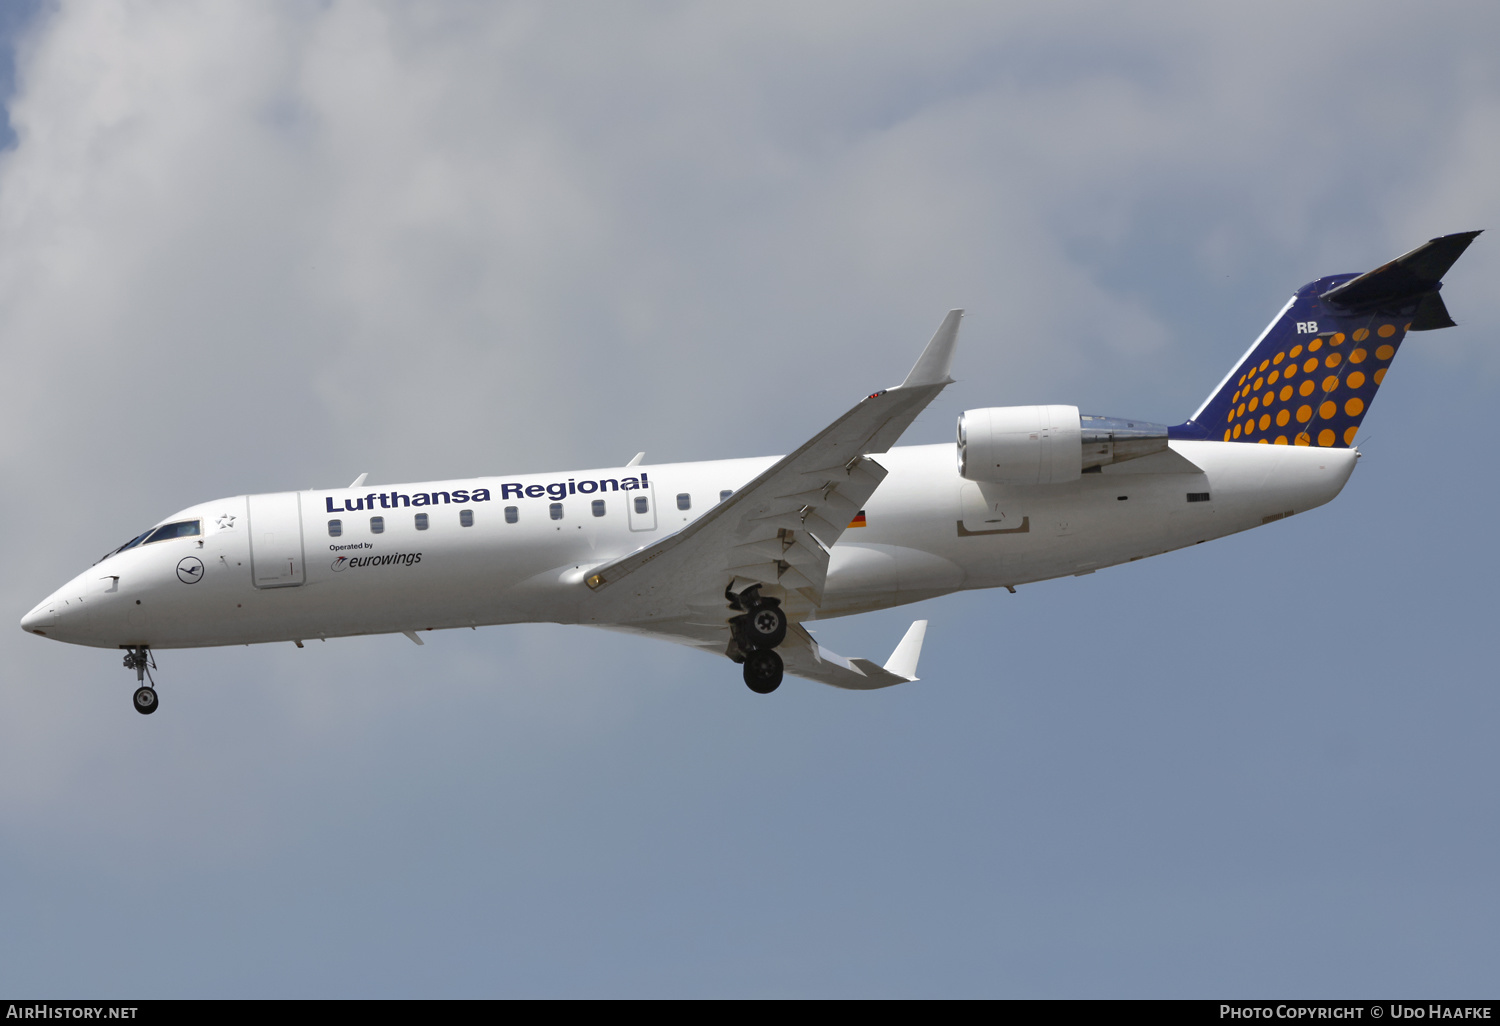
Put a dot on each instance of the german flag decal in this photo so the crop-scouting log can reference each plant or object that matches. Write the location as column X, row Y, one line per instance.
column 859, row 520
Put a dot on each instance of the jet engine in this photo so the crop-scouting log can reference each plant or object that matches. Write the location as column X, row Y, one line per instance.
column 1028, row 445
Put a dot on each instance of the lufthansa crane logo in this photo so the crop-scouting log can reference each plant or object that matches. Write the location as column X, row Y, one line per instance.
column 190, row 570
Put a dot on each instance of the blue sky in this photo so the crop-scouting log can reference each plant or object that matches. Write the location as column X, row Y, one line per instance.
column 273, row 246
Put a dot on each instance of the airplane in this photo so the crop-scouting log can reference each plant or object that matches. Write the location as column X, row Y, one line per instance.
column 737, row 557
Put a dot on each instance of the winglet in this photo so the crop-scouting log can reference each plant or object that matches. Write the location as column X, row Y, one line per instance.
column 903, row 661
column 933, row 365
column 359, row 480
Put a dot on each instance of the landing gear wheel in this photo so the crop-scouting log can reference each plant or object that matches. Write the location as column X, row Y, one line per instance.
column 762, row 627
column 139, row 659
column 763, row 670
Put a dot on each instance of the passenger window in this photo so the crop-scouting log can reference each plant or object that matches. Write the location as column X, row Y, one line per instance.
column 556, row 510
column 421, row 519
column 335, row 528
column 684, row 501
column 512, row 514
column 598, row 507
column 726, row 493
column 377, row 525
column 181, row 529
column 466, row 518
column 640, row 504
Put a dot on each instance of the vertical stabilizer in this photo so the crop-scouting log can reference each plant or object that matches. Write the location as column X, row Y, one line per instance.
column 1311, row 376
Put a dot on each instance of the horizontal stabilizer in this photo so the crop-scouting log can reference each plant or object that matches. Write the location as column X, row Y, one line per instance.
column 1403, row 279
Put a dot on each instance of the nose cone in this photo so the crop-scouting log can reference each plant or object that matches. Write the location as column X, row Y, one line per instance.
column 42, row 618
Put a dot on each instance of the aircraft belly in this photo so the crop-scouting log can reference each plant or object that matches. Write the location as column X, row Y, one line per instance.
column 859, row 574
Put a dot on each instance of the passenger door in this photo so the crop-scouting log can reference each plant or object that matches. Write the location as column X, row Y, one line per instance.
column 276, row 540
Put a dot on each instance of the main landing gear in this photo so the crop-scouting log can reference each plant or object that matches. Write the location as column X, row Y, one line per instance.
column 140, row 659
column 755, row 633
column 763, row 669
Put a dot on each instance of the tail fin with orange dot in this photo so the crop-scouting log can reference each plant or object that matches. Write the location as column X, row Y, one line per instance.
column 1311, row 376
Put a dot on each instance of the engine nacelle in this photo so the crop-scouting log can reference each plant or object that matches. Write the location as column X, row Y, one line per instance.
column 1022, row 445
column 1029, row 445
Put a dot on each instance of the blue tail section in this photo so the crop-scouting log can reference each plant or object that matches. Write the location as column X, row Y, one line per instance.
column 1311, row 376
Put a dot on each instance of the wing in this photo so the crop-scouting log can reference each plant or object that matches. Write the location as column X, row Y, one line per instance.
column 776, row 531
column 802, row 655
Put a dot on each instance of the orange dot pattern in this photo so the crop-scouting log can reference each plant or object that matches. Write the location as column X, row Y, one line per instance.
column 1310, row 399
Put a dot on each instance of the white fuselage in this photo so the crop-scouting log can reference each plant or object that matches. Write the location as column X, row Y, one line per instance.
column 271, row 571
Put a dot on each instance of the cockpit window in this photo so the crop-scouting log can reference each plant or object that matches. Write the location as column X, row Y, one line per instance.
column 132, row 543
column 181, row 529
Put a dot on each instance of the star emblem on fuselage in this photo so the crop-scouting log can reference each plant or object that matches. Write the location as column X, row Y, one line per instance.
column 226, row 521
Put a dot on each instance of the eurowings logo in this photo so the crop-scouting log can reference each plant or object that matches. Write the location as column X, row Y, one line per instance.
column 389, row 559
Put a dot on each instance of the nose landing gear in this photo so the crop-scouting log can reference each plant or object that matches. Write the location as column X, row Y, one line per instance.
column 140, row 659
